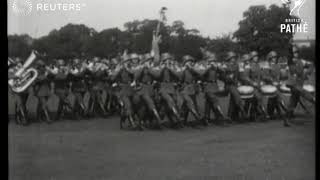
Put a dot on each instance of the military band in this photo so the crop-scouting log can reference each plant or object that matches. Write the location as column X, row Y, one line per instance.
column 144, row 91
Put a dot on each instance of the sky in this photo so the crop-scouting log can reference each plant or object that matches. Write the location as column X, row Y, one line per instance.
column 212, row 17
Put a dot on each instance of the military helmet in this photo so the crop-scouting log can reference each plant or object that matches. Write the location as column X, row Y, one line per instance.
column 40, row 62
column 146, row 57
column 245, row 57
column 253, row 54
column 60, row 62
column 126, row 58
column 134, row 56
column 211, row 57
column 272, row 54
column 187, row 58
column 230, row 55
column 96, row 59
column 165, row 56
column 76, row 61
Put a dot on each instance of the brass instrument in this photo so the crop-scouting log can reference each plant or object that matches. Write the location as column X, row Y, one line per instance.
column 24, row 76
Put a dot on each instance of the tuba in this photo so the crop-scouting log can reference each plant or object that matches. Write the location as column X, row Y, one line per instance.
column 23, row 76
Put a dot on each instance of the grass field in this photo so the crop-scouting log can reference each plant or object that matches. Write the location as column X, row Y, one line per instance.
column 96, row 149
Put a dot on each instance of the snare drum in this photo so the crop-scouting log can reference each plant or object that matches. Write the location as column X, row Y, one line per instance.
column 309, row 88
column 268, row 90
column 285, row 90
column 246, row 92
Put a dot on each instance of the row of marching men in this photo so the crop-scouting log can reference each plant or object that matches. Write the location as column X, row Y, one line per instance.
column 144, row 91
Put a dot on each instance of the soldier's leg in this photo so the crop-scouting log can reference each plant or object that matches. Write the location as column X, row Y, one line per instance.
column 127, row 110
column 191, row 106
column 259, row 102
column 43, row 102
column 215, row 105
column 151, row 106
column 20, row 110
column 237, row 102
column 170, row 103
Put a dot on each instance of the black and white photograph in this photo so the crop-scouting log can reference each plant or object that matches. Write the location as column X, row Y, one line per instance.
column 161, row 89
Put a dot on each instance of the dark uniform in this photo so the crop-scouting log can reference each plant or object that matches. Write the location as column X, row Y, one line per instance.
column 210, row 78
column 146, row 93
column 229, row 75
column 124, row 78
column 43, row 90
column 167, row 90
column 189, row 77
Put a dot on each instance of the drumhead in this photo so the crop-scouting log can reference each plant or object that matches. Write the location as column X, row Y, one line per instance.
column 268, row 89
column 245, row 90
column 308, row 87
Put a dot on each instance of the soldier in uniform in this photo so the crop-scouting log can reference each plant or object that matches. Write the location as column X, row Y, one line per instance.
column 272, row 75
column 20, row 98
column 78, row 84
column 61, row 86
column 189, row 77
column 210, row 78
column 167, row 89
column 250, row 74
column 229, row 73
column 295, row 83
column 146, row 77
column 123, row 76
column 43, row 89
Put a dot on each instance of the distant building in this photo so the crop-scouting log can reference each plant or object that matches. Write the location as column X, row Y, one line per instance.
column 303, row 42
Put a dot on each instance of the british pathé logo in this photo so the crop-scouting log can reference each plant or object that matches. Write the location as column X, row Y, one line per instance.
column 296, row 23
column 22, row 7
column 295, row 6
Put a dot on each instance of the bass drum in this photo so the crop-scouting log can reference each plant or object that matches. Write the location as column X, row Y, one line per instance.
column 268, row 90
column 285, row 90
column 309, row 88
column 246, row 92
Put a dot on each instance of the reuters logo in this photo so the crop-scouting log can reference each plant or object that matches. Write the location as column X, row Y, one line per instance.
column 22, row 7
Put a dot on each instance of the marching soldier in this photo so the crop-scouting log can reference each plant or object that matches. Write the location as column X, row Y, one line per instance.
column 295, row 83
column 250, row 74
column 43, row 89
column 124, row 78
column 210, row 78
column 189, row 78
column 229, row 75
column 167, row 89
column 271, row 75
column 146, row 77
column 61, row 87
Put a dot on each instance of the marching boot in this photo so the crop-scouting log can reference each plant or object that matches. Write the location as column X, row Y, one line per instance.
column 176, row 114
column 264, row 113
column 197, row 116
column 283, row 106
column 23, row 117
column 47, row 117
column 224, row 118
column 133, row 125
column 286, row 120
column 158, row 119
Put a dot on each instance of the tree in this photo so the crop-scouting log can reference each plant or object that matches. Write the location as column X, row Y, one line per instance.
column 19, row 45
column 68, row 42
column 223, row 44
column 260, row 30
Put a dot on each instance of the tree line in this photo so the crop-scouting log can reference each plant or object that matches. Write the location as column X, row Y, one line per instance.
column 259, row 30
